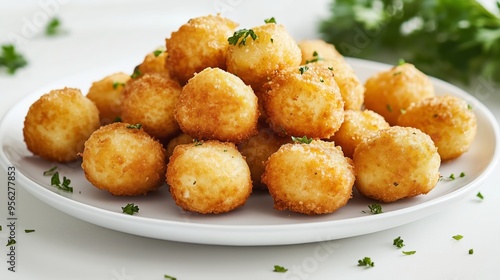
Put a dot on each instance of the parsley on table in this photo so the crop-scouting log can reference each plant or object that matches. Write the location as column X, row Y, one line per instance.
column 29, row 230
column 398, row 242
column 130, row 209
column 448, row 39
column 480, row 195
column 169, row 277
column 457, row 237
column 278, row 268
column 409, row 252
column 11, row 242
column 53, row 27
column 366, row 261
column 471, row 251
column 11, row 59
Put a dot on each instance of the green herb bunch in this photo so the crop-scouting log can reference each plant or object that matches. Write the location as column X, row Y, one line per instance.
column 455, row 40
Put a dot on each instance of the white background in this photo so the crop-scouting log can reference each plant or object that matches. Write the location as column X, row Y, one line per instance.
column 101, row 33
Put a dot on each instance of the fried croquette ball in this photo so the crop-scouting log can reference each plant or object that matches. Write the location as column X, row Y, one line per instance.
column 217, row 105
column 448, row 120
column 182, row 138
column 302, row 101
column 123, row 160
column 208, row 177
column 257, row 150
column 154, row 62
column 391, row 92
column 311, row 179
column 107, row 96
column 357, row 126
column 198, row 44
column 58, row 124
column 254, row 59
column 320, row 52
column 396, row 163
column 150, row 100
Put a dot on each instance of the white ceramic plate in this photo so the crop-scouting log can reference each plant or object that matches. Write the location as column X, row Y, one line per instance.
column 256, row 223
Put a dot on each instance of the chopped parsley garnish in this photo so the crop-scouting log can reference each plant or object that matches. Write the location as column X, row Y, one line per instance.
column 243, row 35
column 409, row 252
column 157, row 52
column 169, row 277
column 29, row 230
column 315, row 58
column 452, row 177
column 398, row 242
column 137, row 73
column 279, row 268
column 303, row 69
column 401, row 61
column 471, row 251
column 270, row 20
column 11, row 242
column 389, row 108
column 53, row 27
column 117, row 84
column 56, row 181
column 197, row 142
column 375, row 208
column 0, row 228
column 366, row 261
column 302, row 140
column 134, row 126
column 330, row 68
column 11, row 59
column 480, row 195
column 50, row 172
column 457, row 237
column 117, row 119
column 130, row 209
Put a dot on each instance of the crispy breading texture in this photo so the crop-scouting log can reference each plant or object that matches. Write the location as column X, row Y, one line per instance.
column 448, row 120
column 217, row 105
column 209, row 177
column 302, row 101
column 257, row 60
column 396, row 163
column 320, row 52
column 107, row 96
column 357, row 126
column 150, row 100
column 198, row 44
column 124, row 160
column 58, row 124
column 311, row 179
column 391, row 92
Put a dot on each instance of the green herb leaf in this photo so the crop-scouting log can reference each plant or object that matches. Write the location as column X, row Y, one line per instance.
column 315, row 58
column 451, row 40
column 130, row 209
column 242, row 34
column 137, row 73
column 50, row 172
column 457, row 237
column 471, row 251
column 375, row 208
column 11, row 242
column 409, row 252
column 302, row 140
column 270, row 20
column 134, row 126
column 398, row 242
column 366, row 261
column 157, row 52
column 53, row 27
column 117, row 84
column 29, row 230
column 278, row 268
column 169, row 277
column 11, row 59
column 303, row 69
column 480, row 195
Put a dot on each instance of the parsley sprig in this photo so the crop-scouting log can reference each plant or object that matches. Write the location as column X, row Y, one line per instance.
column 366, row 261
column 11, row 59
column 452, row 40
column 243, row 35
column 53, row 27
column 130, row 209
column 56, row 181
